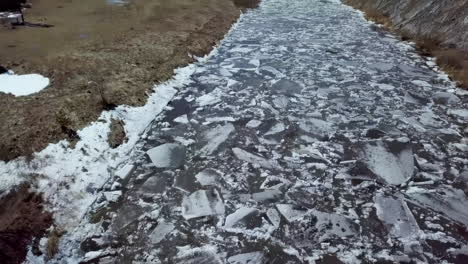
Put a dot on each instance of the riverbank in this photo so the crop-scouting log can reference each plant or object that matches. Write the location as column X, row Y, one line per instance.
column 125, row 51
column 98, row 55
column 439, row 29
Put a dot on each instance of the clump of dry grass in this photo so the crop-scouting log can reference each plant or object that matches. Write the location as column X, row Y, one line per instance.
column 427, row 45
column 53, row 242
column 451, row 59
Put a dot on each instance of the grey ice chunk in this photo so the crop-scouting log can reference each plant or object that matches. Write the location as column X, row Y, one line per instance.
column 392, row 161
column 281, row 102
column 125, row 216
column 268, row 70
column 267, row 195
column 94, row 255
column 243, row 217
column 205, row 255
column 169, row 155
column 254, row 159
column 394, row 213
column 161, row 231
column 445, row 98
column 316, row 126
column 334, row 224
column 247, row 258
column 290, row 212
column 287, row 87
column 208, row 177
column 208, row 99
column 274, row 217
column 451, row 202
column 124, row 172
column 382, row 66
column 253, row 123
column 183, row 119
column 215, row 137
column 113, row 196
column 459, row 113
column 277, row 128
column 154, row 185
column 202, row 203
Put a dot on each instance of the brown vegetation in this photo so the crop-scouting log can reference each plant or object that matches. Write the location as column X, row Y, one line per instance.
column 22, row 218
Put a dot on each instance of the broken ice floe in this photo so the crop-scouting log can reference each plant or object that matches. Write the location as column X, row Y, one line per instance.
column 170, row 155
column 291, row 212
column 391, row 161
column 394, row 212
column 215, row 137
column 257, row 257
column 243, row 217
column 161, row 231
column 202, row 203
column 253, row 159
column 208, row 177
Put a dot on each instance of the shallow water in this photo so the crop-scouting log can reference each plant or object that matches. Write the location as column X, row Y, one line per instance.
column 310, row 136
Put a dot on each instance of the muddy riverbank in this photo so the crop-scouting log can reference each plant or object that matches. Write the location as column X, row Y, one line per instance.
column 99, row 54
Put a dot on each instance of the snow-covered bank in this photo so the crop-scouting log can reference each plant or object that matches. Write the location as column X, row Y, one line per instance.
column 21, row 85
column 71, row 178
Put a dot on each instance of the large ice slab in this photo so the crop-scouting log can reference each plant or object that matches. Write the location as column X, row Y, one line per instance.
column 202, row 203
column 244, row 217
column 161, row 231
column 215, row 137
column 391, row 161
column 170, row 155
column 451, row 202
column 395, row 214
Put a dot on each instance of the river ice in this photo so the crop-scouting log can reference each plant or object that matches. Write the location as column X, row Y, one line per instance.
column 309, row 136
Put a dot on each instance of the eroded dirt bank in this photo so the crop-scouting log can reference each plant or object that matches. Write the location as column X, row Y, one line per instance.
column 439, row 28
column 99, row 55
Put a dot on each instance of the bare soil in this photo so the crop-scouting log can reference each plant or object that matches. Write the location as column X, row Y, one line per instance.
column 22, row 219
column 97, row 56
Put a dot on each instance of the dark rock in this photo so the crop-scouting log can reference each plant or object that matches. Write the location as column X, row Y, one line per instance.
column 3, row 70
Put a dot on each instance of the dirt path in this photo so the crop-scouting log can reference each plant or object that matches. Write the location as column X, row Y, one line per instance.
column 98, row 55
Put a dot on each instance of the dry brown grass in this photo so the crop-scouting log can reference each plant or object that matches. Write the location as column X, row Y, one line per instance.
column 450, row 58
column 427, row 45
column 53, row 242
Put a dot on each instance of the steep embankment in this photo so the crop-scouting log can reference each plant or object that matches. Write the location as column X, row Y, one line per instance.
column 439, row 27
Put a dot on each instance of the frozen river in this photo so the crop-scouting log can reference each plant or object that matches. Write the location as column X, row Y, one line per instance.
column 310, row 135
